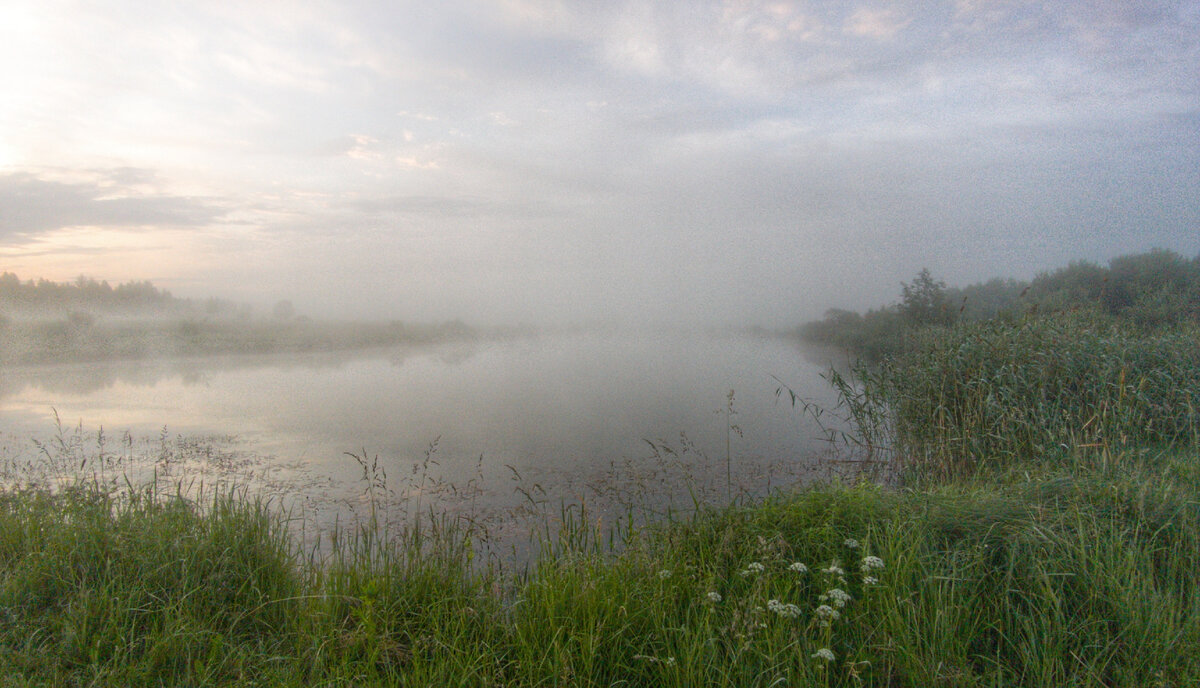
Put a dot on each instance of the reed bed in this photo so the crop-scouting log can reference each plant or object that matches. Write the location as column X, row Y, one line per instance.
column 1072, row 388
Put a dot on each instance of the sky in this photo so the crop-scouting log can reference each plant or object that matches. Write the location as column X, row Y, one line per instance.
column 570, row 161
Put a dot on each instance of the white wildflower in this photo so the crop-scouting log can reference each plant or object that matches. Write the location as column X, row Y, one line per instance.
column 791, row 611
column 834, row 569
column 870, row 580
column 851, row 543
column 827, row 615
column 837, row 597
column 714, row 597
column 870, row 563
column 824, row 653
column 753, row 567
column 664, row 574
column 798, row 567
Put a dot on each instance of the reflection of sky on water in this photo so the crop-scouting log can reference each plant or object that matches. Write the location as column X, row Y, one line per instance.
column 563, row 409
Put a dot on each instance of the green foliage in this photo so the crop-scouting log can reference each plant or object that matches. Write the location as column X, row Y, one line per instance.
column 1158, row 288
column 1079, row 283
column 1153, row 290
column 995, row 393
column 882, row 333
column 874, row 336
column 986, row 300
column 1083, row 579
column 134, row 588
column 924, row 302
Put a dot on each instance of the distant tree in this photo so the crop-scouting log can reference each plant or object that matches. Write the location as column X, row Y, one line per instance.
column 139, row 294
column 841, row 317
column 1154, row 288
column 881, row 334
column 834, row 328
column 10, row 288
column 985, row 300
column 283, row 310
column 1080, row 283
column 924, row 302
column 1146, row 275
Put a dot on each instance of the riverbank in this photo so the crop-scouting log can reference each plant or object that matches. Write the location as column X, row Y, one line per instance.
column 1068, row 579
column 1042, row 531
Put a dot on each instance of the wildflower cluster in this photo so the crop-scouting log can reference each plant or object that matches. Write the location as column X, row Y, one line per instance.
column 834, row 569
column 789, row 611
column 826, row 615
column 869, row 565
column 824, row 653
column 829, row 603
column 837, row 597
column 752, row 568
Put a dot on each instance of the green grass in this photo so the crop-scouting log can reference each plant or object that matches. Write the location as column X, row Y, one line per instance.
column 1006, row 559
column 1057, row 581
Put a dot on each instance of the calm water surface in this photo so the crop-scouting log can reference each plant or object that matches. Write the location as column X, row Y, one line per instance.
column 564, row 412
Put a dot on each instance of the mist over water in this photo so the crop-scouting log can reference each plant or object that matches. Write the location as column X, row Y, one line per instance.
column 562, row 411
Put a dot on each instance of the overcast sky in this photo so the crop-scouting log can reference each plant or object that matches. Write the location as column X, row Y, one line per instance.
column 558, row 161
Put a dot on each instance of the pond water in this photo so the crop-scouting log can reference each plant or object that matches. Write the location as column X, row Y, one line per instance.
column 562, row 416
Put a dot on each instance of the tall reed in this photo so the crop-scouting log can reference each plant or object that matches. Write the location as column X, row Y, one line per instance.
column 995, row 394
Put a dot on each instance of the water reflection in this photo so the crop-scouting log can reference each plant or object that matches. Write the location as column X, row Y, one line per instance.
column 93, row 377
column 564, row 417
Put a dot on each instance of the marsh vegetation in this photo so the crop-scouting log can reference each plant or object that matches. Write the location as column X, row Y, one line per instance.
column 1154, row 291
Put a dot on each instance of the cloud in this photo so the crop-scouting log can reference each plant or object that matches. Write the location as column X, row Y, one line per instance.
column 438, row 206
column 637, row 149
column 363, row 147
column 877, row 24
column 32, row 205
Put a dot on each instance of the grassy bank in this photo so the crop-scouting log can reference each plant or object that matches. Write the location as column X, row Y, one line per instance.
column 1058, row 581
column 1043, row 532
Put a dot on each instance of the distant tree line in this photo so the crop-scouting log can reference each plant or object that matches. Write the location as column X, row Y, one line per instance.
column 1156, row 289
column 86, row 294
column 42, row 321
